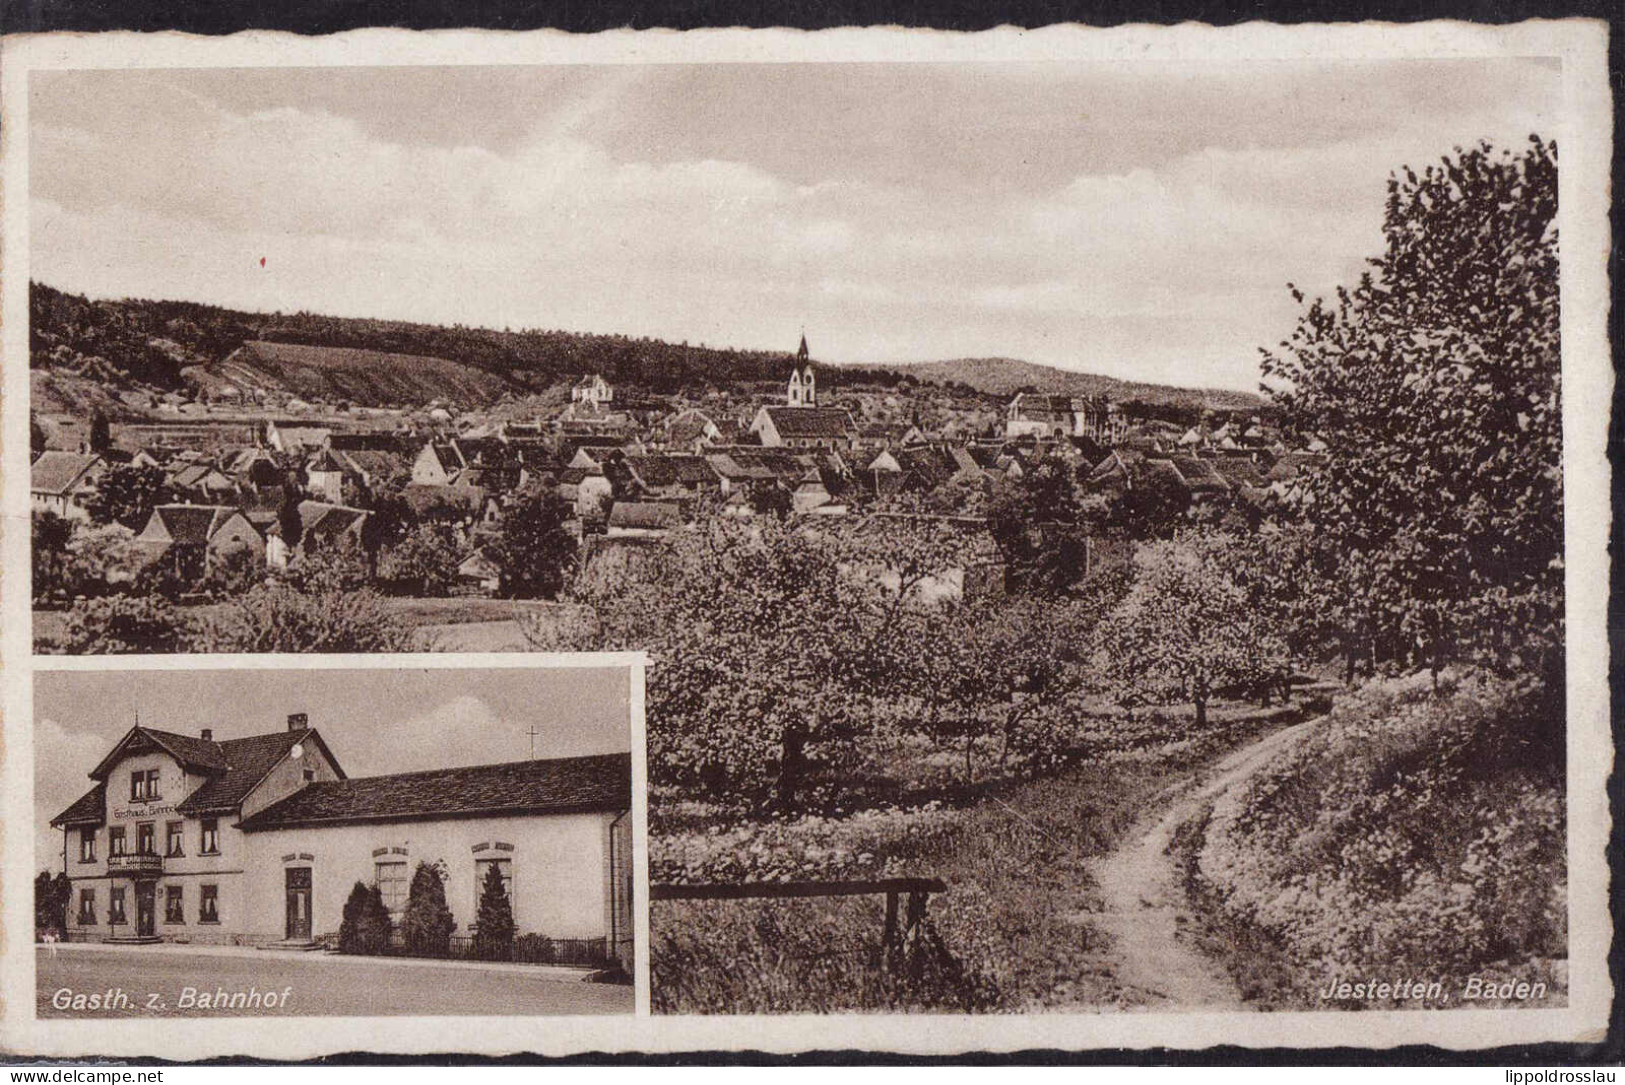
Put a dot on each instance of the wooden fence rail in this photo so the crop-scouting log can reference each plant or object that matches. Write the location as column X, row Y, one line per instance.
column 919, row 890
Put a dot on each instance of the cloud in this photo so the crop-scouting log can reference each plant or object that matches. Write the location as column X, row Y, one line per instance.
column 735, row 207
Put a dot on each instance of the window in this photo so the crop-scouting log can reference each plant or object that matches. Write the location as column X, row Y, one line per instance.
column 115, row 904
column 208, row 905
column 143, row 785
column 209, row 837
column 177, row 839
column 115, row 840
column 391, row 878
column 87, row 845
column 146, row 839
column 87, row 907
column 310, row 776
column 481, row 867
column 174, row 906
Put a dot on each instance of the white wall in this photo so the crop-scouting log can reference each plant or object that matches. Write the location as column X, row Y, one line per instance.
column 559, row 865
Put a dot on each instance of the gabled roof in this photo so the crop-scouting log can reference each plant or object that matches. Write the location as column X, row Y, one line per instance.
column 1199, row 475
column 87, row 810
column 193, row 754
column 249, row 760
column 322, row 518
column 1239, row 471
column 324, row 460
column 185, row 525
column 601, row 783
column 805, row 422
column 60, row 472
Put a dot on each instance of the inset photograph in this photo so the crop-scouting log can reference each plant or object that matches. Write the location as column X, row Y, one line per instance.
column 334, row 841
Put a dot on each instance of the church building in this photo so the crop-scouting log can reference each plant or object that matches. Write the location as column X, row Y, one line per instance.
column 801, row 423
column 259, row 840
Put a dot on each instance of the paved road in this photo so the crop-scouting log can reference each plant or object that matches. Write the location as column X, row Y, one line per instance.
column 153, row 984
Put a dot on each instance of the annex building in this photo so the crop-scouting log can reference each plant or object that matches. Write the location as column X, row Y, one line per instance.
column 259, row 840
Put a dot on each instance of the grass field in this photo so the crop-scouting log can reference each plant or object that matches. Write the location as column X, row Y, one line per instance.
column 1013, row 932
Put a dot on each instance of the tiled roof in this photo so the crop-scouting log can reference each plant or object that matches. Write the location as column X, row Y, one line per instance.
column 1199, row 475
column 1239, row 471
column 804, row 422
column 649, row 515
column 557, row 786
column 186, row 525
column 88, row 809
column 322, row 518
column 247, row 760
column 57, row 472
column 197, row 754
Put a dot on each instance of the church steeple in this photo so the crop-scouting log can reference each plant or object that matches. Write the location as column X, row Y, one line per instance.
column 803, row 388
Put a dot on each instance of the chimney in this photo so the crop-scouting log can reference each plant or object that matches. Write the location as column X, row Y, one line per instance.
column 298, row 721
column 208, row 735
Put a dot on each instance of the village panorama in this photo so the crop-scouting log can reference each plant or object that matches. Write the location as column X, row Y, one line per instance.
column 973, row 685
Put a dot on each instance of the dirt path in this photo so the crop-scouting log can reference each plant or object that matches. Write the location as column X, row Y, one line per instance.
column 1143, row 899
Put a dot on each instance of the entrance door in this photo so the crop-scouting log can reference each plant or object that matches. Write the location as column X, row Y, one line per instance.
column 146, row 909
column 298, row 879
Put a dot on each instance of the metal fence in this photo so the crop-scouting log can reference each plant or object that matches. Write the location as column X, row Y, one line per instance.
column 527, row 949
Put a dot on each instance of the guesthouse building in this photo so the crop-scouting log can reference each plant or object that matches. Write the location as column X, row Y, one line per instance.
column 259, row 840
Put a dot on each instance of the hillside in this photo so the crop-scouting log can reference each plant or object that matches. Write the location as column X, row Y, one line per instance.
column 371, row 377
column 1006, row 376
column 144, row 345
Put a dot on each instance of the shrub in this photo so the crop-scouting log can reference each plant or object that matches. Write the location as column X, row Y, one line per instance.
column 493, row 939
column 365, row 927
column 275, row 617
column 427, row 924
column 1412, row 834
column 533, row 949
column 123, row 624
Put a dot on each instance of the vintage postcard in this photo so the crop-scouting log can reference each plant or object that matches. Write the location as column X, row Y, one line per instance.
column 1115, row 522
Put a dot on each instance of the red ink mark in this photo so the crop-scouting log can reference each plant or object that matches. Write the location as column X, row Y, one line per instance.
column 262, row 261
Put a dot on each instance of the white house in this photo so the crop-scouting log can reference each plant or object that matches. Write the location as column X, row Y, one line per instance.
column 60, row 482
column 259, row 840
column 594, row 391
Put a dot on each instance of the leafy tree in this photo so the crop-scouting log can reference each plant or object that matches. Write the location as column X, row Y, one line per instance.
column 123, row 624
column 426, row 925
column 231, row 571
column 127, row 494
column 769, row 647
column 50, row 535
column 770, row 499
column 1434, row 384
column 36, row 435
column 52, row 895
column 493, row 938
column 276, row 616
column 533, row 549
column 104, row 560
column 365, row 926
column 425, row 561
column 1185, row 629
column 101, row 435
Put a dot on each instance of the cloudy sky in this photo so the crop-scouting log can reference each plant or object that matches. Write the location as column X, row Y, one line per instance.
column 1138, row 220
column 374, row 720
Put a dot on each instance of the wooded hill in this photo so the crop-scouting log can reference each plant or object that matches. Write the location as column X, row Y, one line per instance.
column 174, row 345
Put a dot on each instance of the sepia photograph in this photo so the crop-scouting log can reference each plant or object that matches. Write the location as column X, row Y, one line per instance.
column 409, row 841
column 1114, row 523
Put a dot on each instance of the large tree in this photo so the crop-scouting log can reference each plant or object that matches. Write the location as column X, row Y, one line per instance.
column 1434, row 383
column 127, row 494
column 533, row 550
